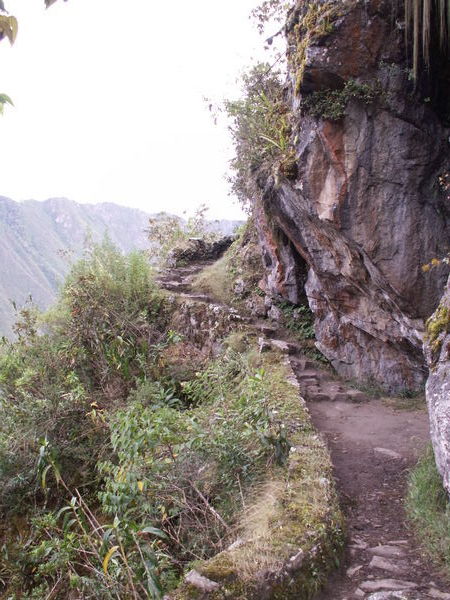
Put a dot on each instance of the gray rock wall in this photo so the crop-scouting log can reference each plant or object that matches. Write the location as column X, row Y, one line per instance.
column 437, row 350
column 365, row 210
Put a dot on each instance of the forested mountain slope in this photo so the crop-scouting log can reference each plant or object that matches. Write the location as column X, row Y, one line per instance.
column 38, row 241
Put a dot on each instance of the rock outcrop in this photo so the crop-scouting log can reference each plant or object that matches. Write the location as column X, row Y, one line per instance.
column 437, row 349
column 198, row 249
column 352, row 224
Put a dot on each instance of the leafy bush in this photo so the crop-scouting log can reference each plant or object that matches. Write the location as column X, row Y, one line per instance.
column 123, row 474
column 112, row 303
column 100, row 338
column 183, row 469
column 171, row 481
column 298, row 319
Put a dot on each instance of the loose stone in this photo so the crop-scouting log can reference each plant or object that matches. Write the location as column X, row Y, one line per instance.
column 378, row 562
column 392, row 585
column 387, row 551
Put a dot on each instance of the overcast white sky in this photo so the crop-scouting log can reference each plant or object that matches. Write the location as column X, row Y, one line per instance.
column 108, row 101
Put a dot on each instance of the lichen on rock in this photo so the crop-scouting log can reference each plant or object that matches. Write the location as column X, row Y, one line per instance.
column 437, row 350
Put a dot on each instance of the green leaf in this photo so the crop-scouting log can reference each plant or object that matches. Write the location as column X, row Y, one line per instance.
column 154, row 531
column 62, row 511
column 5, row 99
column 108, row 557
column 154, row 586
column 44, row 477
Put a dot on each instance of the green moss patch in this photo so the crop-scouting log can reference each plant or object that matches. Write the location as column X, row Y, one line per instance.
column 317, row 21
column 438, row 324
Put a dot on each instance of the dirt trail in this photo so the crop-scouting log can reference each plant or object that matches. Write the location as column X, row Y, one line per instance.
column 373, row 445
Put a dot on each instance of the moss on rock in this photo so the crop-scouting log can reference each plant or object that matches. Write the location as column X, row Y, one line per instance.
column 438, row 324
column 315, row 22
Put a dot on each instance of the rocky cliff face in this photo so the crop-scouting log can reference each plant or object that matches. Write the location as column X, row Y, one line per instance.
column 361, row 210
column 437, row 350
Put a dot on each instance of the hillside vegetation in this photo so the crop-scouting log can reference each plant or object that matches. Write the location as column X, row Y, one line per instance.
column 39, row 241
column 126, row 454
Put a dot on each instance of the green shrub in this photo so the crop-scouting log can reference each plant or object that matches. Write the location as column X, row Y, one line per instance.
column 166, row 232
column 183, row 469
column 100, row 338
column 145, row 486
column 331, row 104
column 298, row 319
column 112, row 303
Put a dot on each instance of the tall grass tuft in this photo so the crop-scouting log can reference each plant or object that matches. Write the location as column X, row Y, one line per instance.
column 428, row 508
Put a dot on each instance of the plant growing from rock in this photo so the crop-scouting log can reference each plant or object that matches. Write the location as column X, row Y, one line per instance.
column 260, row 127
column 331, row 104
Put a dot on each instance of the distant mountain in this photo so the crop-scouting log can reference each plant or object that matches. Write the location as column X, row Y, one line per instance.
column 40, row 240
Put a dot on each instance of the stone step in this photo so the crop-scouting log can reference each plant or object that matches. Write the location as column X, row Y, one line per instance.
column 199, row 297
column 335, row 391
column 339, row 397
column 317, row 396
column 313, row 381
column 386, row 564
column 301, row 363
column 387, row 551
column 284, row 347
column 266, row 330
column 389, row 585
column 311, row 374
column 356, row 396
column 172, row 285
column 392, row 595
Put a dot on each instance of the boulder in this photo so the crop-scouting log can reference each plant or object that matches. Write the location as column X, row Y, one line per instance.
column 198, row 249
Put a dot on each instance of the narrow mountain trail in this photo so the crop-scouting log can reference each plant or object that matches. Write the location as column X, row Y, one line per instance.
column 179, row 280
column 373, row 445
